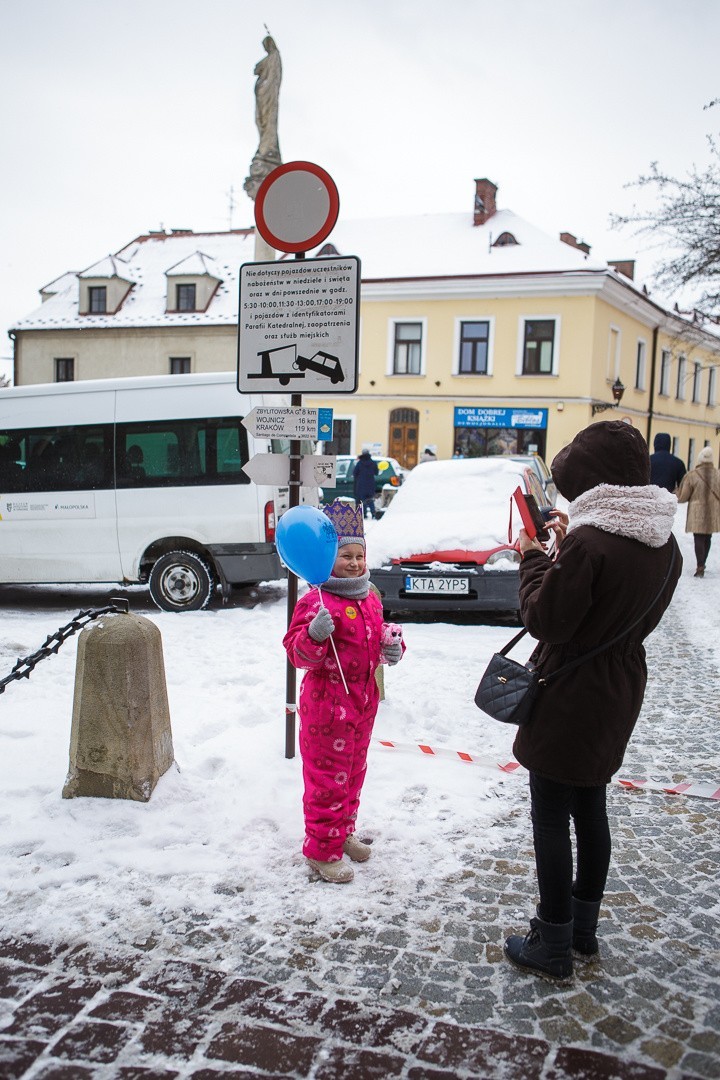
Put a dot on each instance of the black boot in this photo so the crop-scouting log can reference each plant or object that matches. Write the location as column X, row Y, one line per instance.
column 585, row 920
column 546, row 950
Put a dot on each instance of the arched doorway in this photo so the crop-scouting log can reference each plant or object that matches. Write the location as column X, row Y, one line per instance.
column 403, row 437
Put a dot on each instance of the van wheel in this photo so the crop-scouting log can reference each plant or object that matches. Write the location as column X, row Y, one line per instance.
column 181, row 581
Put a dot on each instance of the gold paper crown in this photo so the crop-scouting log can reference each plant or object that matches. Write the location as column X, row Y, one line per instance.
column 348, row 522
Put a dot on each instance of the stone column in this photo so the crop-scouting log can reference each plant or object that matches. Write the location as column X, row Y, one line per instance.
column 121, row 740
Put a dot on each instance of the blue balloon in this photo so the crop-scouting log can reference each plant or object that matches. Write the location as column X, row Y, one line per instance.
column 307, row 543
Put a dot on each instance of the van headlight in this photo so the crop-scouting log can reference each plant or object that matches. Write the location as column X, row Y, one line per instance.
column 509, row 556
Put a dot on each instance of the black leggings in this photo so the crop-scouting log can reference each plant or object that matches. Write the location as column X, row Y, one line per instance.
column 552, row 806
column 702, row 547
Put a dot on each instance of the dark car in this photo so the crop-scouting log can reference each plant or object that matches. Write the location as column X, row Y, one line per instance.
column 444, row 543
column 390, row 476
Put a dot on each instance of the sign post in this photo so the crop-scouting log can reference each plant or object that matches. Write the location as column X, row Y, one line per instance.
column 297, row 324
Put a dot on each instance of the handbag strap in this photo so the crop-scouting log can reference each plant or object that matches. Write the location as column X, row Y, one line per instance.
column 607, row 644
column 705, row 481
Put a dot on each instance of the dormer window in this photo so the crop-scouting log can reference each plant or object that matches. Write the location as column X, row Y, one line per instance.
column 505, row 239
column 192, row 283
column 97, row 299
column 185, row 297
column 105, row 286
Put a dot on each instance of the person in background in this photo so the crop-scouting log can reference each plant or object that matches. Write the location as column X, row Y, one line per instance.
column 428, row 454
column 364, row 475
column 700, row 489
column 666, row 470
column 615, row 550
column 336, row 724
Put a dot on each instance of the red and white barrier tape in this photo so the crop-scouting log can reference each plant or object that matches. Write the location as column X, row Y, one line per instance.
column 710, row 790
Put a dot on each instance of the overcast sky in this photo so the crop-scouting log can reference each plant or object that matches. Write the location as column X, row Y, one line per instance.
column 117, row 118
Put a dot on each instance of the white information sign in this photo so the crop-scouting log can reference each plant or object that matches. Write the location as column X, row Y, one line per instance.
column 316, row 470
column 270, row 422
column 298, row 326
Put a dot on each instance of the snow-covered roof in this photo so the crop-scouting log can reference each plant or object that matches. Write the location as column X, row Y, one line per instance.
column 110, row 267
column 428, row 246
column 195, row 264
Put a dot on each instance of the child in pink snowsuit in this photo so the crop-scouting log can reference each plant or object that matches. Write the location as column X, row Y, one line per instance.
column 335, row 724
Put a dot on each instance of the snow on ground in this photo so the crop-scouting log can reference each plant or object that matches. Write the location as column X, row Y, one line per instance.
column 219, row 841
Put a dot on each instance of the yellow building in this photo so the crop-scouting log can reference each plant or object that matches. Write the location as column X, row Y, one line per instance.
column 478, row 333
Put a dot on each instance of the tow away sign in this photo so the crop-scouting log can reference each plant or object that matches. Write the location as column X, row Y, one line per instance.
column 268, row 422
column 298, row 326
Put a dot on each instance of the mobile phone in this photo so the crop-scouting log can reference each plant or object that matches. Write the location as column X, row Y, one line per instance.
column 533, row 522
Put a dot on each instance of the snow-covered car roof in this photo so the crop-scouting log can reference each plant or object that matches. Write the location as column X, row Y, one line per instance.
column 461, row 504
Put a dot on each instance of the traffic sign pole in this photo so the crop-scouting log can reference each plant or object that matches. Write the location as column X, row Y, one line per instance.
column 293, row 500
column 296, row 208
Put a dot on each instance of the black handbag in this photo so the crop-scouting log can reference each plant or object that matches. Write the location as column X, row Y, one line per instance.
column 508, row 690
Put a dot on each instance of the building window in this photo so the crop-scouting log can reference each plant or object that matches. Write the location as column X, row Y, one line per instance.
column 474, row 341
column 180, row 365
column 691, row 453
column 612, row 366
column 342, row 440
column 185, row 297
column 640, row 364
column 407, row 350
column 676, row 445
column 538, row 347
column 697, row 379
column 64, row 369
column 97, row 299
column 505, row 239
column 681, row 373
column 665, row 360
column 712, row 375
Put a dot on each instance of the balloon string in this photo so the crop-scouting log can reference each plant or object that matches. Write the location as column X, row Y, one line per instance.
column 332, row 642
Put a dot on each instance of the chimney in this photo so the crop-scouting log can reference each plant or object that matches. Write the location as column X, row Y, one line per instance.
column 568, row 238
column 624, row 266
column 485, row 192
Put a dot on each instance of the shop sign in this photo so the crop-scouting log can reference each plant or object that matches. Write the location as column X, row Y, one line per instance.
column 477, row 416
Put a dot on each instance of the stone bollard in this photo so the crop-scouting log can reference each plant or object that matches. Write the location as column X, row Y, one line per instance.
column 121, row 740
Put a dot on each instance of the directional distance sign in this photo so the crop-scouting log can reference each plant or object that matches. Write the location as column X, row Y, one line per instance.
column 268, row 422
column 316, row 470
column 298, row 326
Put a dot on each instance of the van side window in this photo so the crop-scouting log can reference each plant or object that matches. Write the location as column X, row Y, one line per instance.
column 170, row 453
column 74, row 458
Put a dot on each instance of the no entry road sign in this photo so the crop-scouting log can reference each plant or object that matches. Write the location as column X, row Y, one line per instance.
column 296, row 206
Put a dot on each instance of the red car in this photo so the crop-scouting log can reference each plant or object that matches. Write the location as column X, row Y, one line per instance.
column 443, row 544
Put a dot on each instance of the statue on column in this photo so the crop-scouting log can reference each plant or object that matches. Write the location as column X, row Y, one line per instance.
column 267, row 95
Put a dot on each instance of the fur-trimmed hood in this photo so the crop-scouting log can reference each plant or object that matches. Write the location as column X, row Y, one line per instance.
column 641, row 513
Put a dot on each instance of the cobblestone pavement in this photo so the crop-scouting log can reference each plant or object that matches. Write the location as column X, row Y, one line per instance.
column 421, row 996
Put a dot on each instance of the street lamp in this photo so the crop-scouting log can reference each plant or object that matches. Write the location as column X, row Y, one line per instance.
column 617, row 392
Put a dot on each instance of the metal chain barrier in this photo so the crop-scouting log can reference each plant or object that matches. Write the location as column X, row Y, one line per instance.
column 26, row 664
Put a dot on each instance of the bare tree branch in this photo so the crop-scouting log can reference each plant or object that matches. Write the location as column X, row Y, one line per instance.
column 685, row 224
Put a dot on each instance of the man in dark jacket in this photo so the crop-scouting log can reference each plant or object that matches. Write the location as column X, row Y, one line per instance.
column 617, row 562
column 364, row 475
column 666, row 470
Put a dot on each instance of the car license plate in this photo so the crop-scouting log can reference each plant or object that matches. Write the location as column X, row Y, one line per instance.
column 447, row 585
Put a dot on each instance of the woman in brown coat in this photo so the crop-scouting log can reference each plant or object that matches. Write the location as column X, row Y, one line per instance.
column 615, row 551
column 700, row 489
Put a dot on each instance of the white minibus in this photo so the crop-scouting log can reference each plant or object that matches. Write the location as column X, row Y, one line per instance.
column 134, row 480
